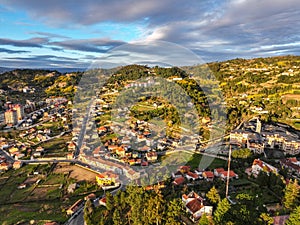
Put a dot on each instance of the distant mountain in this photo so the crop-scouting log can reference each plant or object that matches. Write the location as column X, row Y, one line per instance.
column 67, row 70
column 4, row 69
column 61, row 70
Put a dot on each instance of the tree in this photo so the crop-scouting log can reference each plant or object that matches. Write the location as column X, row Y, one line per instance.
column 294, row 217
column 222, row 208
column 173, row 212
column 109, row 201
column 213, row 195
column 117, row 219
column 204, row 220
column 266, row 219
column 88, row 212
column 291, row 194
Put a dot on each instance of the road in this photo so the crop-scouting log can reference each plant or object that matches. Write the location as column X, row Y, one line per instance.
column 83, row 128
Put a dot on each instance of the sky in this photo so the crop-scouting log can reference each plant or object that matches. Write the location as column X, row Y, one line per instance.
column 73, row 34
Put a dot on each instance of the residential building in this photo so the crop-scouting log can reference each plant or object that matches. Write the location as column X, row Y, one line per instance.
column 107, row 179
column 292, row 164
column 11, row 117
column 259, row 165
column 195, row 206
column 208, row 175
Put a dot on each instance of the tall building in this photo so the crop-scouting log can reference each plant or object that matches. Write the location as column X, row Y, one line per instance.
column 20, row 111
column 258, row 126
column 11, row 117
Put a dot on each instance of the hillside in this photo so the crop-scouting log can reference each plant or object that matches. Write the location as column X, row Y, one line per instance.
column 269, row 87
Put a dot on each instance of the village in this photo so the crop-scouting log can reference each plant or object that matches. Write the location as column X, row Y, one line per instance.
column 116, row 152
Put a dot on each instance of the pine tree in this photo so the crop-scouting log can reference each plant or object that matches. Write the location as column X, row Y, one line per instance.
column 204, row 220
column 291, row 194
column 117, row 219
column 222, row 208
column 213, row 195
column 266, row 219
column 88, row 212
column 173, row 212
column 294, row 217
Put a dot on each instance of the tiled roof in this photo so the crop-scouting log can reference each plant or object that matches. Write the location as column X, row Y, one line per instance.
column 195, row 205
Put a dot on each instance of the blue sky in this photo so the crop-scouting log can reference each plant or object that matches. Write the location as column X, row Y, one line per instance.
column 47, row 34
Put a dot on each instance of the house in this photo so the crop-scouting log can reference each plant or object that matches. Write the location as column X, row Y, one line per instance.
column 208, row 175
column 39, row 149
column 102, row 201
column 5, row 166
column 107, row 179
column 292, row 164
column 218, row 171
column 195, row 206
column 120, row 151
column 184, row 169
column 151, row 156
column 17, row 164
column 191, row 176
column 259, row 165
column 70, row 155
column 232, row 174
column 71, row 146
column 179, row 181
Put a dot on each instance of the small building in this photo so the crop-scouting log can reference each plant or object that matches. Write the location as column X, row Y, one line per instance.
column 259, row 165
column 195, row 206
column 17, row 164
column 71, row 146
column 107, row 179
column 218, row 171
column 232, row 174
column 191, row 176
column 178, row 181
column 5, row 166
column 208, row 175
column 151, row 156
column 292, row 164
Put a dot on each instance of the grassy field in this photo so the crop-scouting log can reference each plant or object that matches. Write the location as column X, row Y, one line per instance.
column 47, row 199
column 193, row 160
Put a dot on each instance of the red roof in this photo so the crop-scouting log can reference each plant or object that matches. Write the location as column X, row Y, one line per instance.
column 219, row 170
column 193, row 175
column 179, row 180
column 195, row 205
column 208, row 174
column 231, row 173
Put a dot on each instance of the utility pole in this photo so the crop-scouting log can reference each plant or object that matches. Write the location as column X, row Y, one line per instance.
column 228, row 170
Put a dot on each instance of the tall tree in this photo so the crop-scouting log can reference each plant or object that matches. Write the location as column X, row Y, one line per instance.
column 204, row 220
column 222, row 208
column 266, row 219
column 291, row 194
column 294, row 217
column 173, row 212
column 88, row 212
column 213, row 195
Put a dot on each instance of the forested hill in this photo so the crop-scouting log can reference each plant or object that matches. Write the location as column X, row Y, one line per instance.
column 269, row 87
